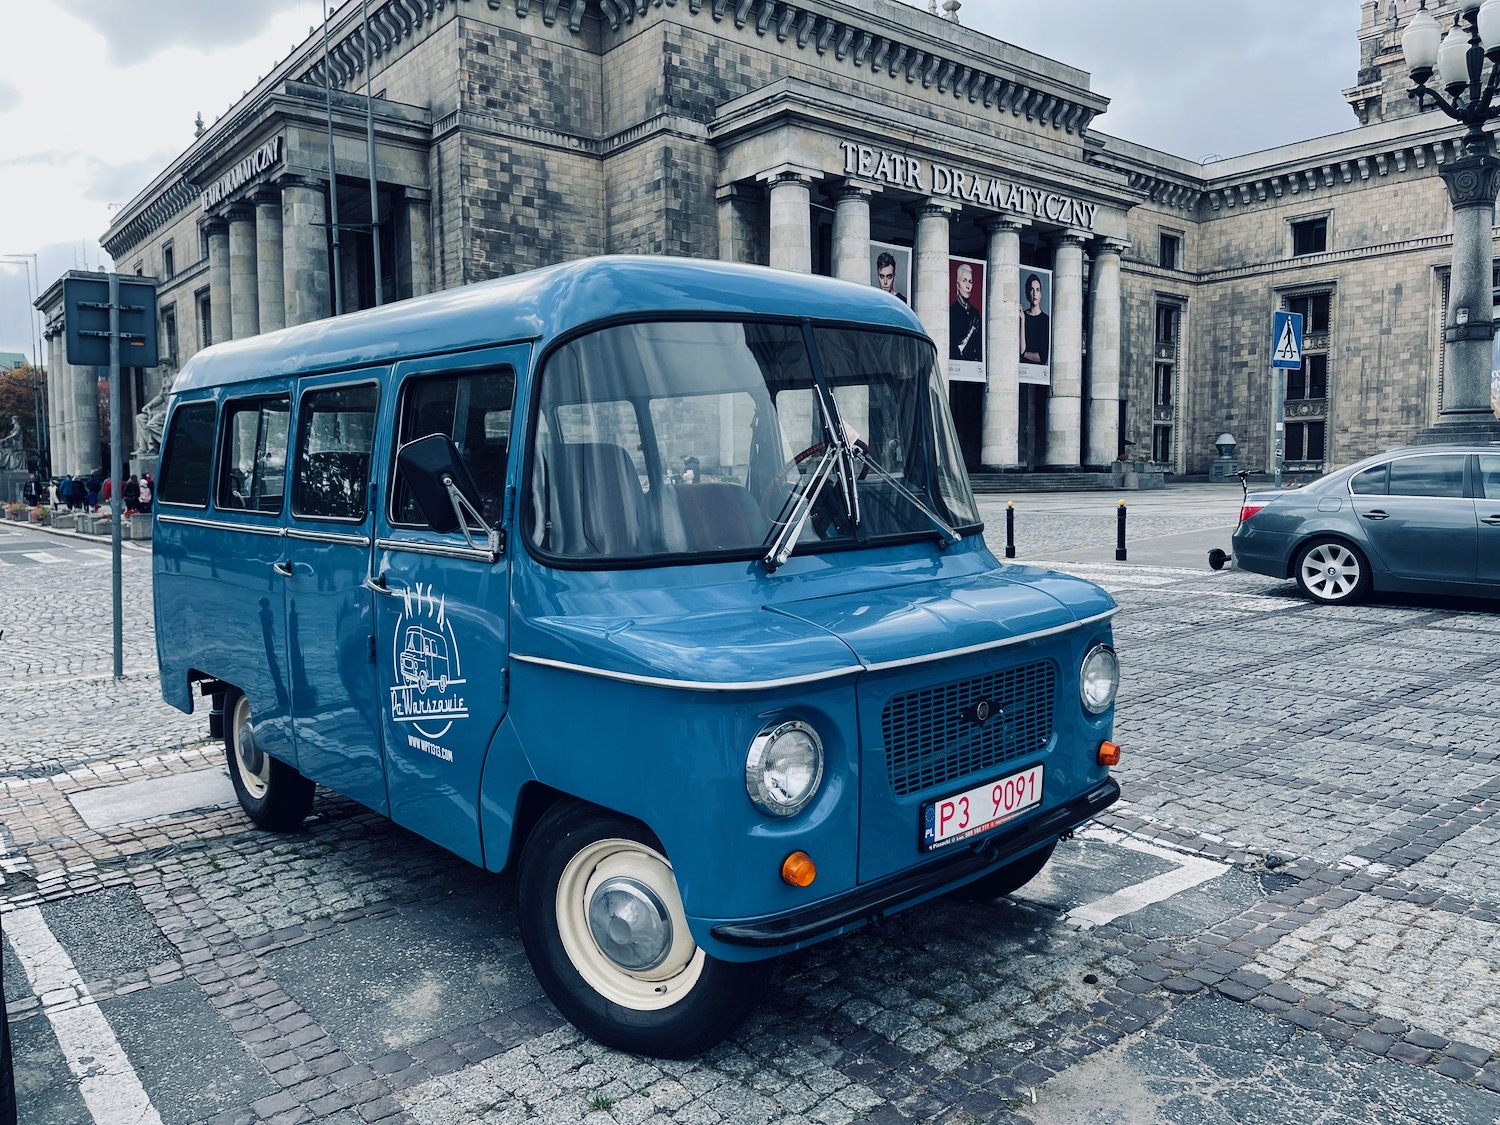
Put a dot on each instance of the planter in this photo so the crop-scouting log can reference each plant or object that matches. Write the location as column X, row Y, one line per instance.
column 64, row 520
column 138, row 528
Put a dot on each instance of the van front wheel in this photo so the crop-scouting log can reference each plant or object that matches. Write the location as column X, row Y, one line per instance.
column 273, row 794
column 603, row 925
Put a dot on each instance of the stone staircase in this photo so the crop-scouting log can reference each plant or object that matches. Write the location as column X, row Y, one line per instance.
column 1005, row 483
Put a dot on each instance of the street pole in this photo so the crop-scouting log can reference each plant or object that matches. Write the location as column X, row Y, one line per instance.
column 115, row 507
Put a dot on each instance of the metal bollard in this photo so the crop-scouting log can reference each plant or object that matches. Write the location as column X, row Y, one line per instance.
column 1120, row 533
column 1010, row 529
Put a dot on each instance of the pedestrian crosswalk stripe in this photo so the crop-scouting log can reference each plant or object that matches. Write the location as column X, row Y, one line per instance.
column 96, row 552
column 43, row 556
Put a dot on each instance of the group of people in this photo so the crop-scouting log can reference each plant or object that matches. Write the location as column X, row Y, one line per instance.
column 88, row 493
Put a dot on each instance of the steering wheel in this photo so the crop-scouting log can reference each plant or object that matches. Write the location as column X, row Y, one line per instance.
column 780, row 477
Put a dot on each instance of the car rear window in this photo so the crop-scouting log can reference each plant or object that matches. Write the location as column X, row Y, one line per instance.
column 1436, row 475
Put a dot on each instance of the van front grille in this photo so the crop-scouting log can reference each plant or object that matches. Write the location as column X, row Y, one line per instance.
column 935, row 735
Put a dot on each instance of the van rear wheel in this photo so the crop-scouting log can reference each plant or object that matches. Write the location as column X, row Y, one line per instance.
column 273, row 794
column 602, row 922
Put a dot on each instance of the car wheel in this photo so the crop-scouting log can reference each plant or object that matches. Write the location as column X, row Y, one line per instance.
column 603, row 925
column 1332, row 572
column 273, row 794
column 1006, row 880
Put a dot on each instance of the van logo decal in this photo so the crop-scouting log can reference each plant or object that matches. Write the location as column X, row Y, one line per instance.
column 429, row 680
column 981, row 712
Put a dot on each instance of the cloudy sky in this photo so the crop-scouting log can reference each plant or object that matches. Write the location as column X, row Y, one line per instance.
column 96, row 96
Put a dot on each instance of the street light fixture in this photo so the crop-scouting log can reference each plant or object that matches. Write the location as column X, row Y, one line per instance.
column 1468, row 97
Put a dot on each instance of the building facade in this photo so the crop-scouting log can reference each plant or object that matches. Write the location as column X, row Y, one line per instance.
column 1094, row 299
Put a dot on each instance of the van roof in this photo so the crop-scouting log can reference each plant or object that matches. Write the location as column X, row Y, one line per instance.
column 537, row 306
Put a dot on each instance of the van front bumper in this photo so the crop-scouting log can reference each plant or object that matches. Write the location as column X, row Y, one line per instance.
column 875, row 900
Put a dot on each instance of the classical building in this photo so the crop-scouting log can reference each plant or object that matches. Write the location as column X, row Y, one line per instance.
column 859, row 140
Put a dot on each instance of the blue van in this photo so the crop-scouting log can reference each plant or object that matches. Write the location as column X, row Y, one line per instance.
column 657, row 581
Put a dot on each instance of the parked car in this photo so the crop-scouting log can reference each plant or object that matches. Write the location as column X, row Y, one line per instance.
column 1423, row 519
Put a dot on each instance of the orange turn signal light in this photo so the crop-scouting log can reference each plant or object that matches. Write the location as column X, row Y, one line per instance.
column 1109, row 754
column 799, row 870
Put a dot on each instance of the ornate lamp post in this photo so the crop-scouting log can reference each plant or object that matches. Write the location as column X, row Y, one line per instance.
column 1468, row 97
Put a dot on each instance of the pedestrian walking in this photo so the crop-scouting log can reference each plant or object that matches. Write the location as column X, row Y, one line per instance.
column 131, row 494
column 145, row 499
column 30, row 492
column 91, row 494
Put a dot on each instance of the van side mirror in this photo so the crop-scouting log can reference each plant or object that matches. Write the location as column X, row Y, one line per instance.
column 443, row 489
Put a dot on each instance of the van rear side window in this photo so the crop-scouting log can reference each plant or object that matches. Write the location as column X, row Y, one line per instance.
column 252, row 468
column 187, row 457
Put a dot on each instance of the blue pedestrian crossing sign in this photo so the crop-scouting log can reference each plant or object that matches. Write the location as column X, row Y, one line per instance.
column 1286, row 340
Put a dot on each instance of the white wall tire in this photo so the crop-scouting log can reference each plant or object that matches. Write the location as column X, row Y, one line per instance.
column 630, row 974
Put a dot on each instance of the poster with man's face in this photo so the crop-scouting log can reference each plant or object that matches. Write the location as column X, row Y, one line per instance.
column 1036, row 325
column 890, row 269
column 966, row 320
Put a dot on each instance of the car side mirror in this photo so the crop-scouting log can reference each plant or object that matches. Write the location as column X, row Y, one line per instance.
column 443, row 489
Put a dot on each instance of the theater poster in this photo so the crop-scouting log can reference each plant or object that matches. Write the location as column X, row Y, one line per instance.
column 890, row 269
column 1036, row 325
column 966, row 343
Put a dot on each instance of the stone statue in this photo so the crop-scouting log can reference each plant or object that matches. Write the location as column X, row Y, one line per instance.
column 148, row 425
column 12, row 454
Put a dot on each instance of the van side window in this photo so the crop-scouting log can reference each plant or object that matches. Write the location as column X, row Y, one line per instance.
column 475, row 411
column 252, row 461
column 335, row 433
column 187, row 457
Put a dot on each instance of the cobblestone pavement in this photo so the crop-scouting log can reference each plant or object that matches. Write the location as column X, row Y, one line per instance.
column 1291, row 916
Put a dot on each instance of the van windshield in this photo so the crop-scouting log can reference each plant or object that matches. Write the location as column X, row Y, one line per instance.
column 686, row 438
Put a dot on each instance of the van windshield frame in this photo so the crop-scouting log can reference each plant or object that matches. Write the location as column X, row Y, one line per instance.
column 693, row 439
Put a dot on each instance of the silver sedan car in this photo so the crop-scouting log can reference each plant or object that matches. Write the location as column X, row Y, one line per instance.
column 1424, row 519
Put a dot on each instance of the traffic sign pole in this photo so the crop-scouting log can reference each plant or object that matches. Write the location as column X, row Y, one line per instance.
column 115, row 463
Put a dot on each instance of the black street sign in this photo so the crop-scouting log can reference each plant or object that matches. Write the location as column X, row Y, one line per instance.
column 86, row 322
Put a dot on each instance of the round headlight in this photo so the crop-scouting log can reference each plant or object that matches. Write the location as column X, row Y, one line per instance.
column 1098, row 679
column 784, row 767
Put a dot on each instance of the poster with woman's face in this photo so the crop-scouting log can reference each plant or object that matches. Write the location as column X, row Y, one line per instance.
column 890, row 269
column 1036, row 325
column 966, row 320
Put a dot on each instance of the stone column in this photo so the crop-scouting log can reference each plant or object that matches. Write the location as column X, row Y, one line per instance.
column 244, row 280
column 417, row 250
column 1104, row 356
column 304, row 211
column 851, row 232
column 791, row 219
column 221, row 326
column 56, row 410
column 1064, row 407
column 270, row 269
column 83, row 383
column 740, row 208
column 1472, row 181
column 1000, row 447
column 931, row 301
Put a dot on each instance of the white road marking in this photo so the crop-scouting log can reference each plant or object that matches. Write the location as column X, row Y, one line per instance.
column 96, row 552
column 1191, row 870
column 43, row 556
column 107, row 1081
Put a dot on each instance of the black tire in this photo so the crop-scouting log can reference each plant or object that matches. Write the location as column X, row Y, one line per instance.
column 1332, row 572
column 273, row 794
column 1006, row 880
column 1217, row 558
column 678, row 1001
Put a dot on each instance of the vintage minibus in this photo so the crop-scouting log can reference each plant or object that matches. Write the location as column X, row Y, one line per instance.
column 659, row 582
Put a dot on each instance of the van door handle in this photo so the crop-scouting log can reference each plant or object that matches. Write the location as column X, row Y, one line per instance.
column 283, row 568
column 377, row 584
column 1376, row 514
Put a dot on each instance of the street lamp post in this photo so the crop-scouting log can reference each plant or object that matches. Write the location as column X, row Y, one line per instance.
column 1468, row 97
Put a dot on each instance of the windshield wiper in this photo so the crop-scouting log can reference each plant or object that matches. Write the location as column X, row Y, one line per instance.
column 781, row 547
column 949, row 534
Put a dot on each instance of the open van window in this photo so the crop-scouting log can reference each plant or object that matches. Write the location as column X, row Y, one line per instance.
column 680, row 438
